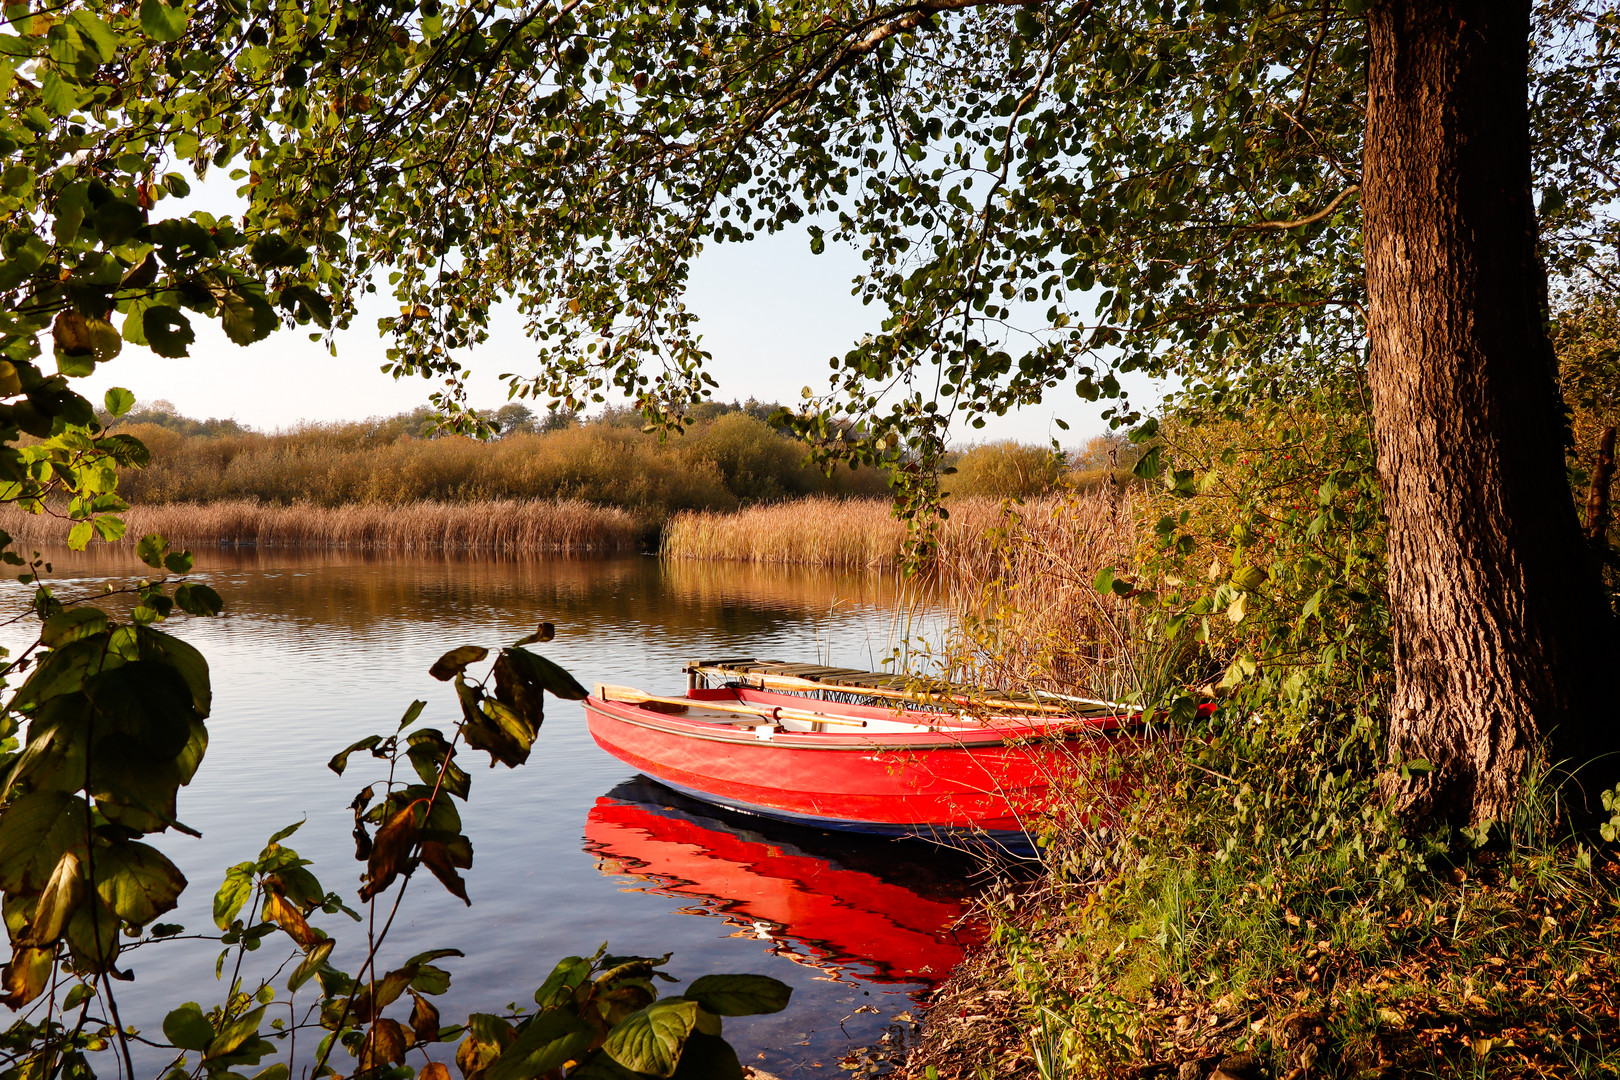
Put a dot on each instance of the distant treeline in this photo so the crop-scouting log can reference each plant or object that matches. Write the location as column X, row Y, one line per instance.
column 730, row 457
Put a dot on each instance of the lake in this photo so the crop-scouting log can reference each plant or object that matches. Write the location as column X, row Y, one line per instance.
column 573, row 849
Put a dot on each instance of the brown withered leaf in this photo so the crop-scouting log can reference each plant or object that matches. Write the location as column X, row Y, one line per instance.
column 621, row 1001
column 72, row 333
column 437, row 859
column 391, row 849
column 384, row 992
column 487, row 1036
column 384, row 1045
column 26, row 976
column 455, row 661
column 285, row 914
column 61, row 896
column 424, row 1022
column 433, row 1070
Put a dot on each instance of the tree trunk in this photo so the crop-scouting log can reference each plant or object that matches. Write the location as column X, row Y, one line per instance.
column 1503, row 644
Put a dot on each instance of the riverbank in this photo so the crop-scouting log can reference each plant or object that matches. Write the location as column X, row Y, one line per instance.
column 1261, row 907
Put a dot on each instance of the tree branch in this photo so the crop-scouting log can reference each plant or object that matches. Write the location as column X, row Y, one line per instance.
column 1325, row 212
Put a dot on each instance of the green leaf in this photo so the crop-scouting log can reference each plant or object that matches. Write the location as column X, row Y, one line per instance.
column 282, row 833
column 75, row 624
column 35, row 832
column 739, row 995
column 1248, row 578
column 183, row 657
column 234, row 1034
column 97, row 34
column 233, row 894
column 650, row 1040
column 430, row 980
column 79, row 536
column 148, row 707
column 167, row 330
column 455, row 661
column 137, row 881
column 427, row 750
column 92, row 936
column 115, row 221
column 126, row 450
column 307, row 304
column 547, row 674
column 178, row 562
column 64, row 671
column 245, row 316
column 59, row 95
column 340, row 760
column 601, row 1067
column 162, row 22
column 187, row 1028
column 708, row 1057
column 568, row 975
column 195, row 598
column 313, row 959
column 150, row 548
column 549, row 1040
column 412, row 711
column 272, row 250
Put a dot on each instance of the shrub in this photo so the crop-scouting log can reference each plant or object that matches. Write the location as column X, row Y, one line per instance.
column 1004, row 469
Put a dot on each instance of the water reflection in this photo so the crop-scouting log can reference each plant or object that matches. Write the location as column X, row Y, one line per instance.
column 891, row 911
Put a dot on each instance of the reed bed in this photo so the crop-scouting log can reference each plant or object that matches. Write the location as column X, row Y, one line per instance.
column 836, row 533
column 1023, row 594
column 500, row 525
column 1018, row 579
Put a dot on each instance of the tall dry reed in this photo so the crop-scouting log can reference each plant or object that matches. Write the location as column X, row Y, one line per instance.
column 1018, row 579
column 1022, row 590
column 504, row 525
column 840, row 533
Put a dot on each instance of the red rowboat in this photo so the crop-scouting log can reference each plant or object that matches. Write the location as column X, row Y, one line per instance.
column 888, row 769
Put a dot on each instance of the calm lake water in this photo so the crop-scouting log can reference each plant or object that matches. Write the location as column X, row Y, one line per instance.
column 572, row 849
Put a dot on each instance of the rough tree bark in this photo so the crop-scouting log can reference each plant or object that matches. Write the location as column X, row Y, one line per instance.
column 1501, row 637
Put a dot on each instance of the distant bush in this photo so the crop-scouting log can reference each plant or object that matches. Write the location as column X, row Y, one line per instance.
column 1104, row 460
column 1004, row 469
column 730, row 459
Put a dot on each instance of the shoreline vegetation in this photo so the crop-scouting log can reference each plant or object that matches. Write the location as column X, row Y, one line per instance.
column 538, row 526
column 732, row 487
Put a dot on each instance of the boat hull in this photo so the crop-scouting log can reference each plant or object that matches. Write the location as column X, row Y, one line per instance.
column 952, row 783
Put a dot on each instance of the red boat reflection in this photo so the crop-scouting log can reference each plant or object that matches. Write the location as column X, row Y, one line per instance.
column 888, row 911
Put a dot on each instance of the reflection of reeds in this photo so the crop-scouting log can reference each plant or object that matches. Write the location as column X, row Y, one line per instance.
column 552, row 525
column 788, row 588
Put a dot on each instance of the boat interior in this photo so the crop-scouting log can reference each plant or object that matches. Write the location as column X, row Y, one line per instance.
column 771, row 698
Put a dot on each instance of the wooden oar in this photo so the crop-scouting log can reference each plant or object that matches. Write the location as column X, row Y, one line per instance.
column 769, row 681
column 631, row 696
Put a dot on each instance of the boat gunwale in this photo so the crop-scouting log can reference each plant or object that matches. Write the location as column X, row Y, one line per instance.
column 964, row 738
